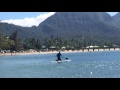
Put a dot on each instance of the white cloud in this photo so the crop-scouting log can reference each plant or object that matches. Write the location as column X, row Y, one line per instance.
column 28, row 22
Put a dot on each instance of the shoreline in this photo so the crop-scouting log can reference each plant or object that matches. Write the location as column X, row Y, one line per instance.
column 55, row 52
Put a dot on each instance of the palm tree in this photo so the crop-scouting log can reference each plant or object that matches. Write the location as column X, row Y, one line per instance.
column 17, row 40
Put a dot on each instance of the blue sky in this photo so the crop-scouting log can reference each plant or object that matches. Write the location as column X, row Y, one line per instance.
column 28, row 18
column 18, row 15
column 112, row 13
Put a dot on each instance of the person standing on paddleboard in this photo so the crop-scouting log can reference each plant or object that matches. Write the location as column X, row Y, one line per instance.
column 59, row 56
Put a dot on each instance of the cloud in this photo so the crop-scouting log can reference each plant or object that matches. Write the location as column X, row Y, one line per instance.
column 28, row 22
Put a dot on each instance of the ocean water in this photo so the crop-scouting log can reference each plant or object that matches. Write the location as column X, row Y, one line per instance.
column 102, row 64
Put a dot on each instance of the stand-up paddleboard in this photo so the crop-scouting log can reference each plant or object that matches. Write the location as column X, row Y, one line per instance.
column 62, row 61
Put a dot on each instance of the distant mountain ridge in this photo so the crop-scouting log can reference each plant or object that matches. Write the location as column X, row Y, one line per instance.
column 116, row 20
column 80, row 24
column 94, row 25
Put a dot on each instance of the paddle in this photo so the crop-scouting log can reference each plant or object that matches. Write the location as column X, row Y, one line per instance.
column 62, row 57
column 65, row 58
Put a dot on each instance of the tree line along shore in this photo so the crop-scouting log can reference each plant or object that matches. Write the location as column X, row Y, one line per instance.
column 13, row 44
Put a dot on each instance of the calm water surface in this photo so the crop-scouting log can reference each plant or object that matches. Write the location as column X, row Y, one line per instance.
column 83, row 65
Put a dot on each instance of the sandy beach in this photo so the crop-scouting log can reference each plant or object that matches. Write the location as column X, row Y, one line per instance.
column 55, row 52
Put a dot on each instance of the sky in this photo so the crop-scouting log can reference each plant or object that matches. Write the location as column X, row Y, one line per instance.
column 28, row 19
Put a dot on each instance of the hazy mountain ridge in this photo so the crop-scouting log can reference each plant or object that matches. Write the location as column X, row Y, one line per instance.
column 23, row 32
column 80, row 24
column 72, row 24
column 116, row 20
